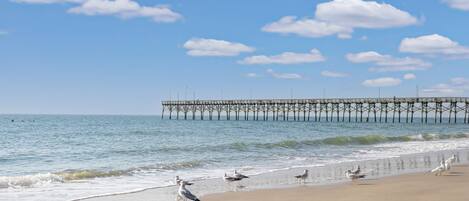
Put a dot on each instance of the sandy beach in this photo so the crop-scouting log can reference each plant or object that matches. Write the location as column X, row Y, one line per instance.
column 452, row 186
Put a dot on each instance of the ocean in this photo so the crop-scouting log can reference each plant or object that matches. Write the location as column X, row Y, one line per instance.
column 67, row 157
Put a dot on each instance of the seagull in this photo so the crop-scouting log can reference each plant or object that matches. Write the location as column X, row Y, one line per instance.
column 302, row 177
column 227, row 178
column 357, row 171
column 177, row 180
column 186, row 194
column 353, row 175
column 451, row 159
column 440, row 169
column 449, row 162
column 238, row 175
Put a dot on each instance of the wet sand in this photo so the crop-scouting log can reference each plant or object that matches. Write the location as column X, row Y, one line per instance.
column 452, row 186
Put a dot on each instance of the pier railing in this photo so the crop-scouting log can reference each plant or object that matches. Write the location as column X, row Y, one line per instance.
column 394, row 109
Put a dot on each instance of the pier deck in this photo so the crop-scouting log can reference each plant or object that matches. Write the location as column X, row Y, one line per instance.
column 395, row 109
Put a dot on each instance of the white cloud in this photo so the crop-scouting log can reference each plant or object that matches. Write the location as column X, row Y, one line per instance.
column 306, row 28
column 386, row 63
column 126, row 9
column 340, row 17
column 409, row 76
column 382, row 82
column 455, row 86
column 434, row 45
column 286, row 58
column 252, row 75
column 48, row 1
column 363, row 14
column 212, row 47
column 287, row 76
column 333, row 74
column 458, row 4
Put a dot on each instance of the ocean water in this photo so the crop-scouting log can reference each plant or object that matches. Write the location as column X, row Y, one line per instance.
column 67, row 157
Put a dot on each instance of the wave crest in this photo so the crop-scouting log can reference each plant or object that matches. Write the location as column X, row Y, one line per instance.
column 28, row 181
column 358, row 140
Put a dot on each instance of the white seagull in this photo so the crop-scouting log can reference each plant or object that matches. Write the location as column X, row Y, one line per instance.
column 440, row 169
column 449, row 162
column 357, row 171
column 231, row 178
column 186, row 194
column 354, row 175
column 238, row 175
column 302, row 177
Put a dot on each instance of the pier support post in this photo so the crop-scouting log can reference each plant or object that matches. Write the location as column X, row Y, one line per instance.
column 386, row 113
column 466, row 113
column 412, row 113
column 316, row 112
column 162, row 114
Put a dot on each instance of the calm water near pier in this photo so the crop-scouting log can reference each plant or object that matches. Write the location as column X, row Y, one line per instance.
column 64, row 157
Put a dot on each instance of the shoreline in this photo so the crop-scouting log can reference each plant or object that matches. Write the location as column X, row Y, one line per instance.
column 322, row 176
column 452, row 186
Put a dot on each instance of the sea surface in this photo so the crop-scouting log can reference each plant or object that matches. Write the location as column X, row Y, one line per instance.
column 66, row 157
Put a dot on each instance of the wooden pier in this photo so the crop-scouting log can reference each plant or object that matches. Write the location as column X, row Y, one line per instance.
column 386, row 110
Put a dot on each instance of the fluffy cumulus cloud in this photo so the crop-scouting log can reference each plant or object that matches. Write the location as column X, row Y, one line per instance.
column 363, row 14
column 458, row 4
column 121, row 8
column 286, row 58
column 382, row 82
column 340, row 17
column 212, row 47
column 333, row 74
column 455, row 86
column 434, row 45
column 286, row 76
column 48, row 1
column 409, row 76
column 386, row 63
column 126, row 9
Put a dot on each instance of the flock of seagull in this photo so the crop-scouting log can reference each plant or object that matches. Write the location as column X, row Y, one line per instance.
column 352, row 174
column 185, row 194
column 444, row 166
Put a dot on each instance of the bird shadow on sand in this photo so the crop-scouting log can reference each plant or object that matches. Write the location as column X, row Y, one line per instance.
column 365, row 184
column 454, row 174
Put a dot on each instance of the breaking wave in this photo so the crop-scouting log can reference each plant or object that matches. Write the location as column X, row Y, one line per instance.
column 38, row 180
column 357, row 140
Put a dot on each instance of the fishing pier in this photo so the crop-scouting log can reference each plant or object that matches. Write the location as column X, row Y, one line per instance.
column 392, row 110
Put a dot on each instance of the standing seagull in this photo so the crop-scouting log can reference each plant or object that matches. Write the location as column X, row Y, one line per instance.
column 186, row 194
column 231, row 178
column 449, row 162
column 302, row 177
column 357, row 171
column 238, row 175
column 353, row 175
column 440, row 169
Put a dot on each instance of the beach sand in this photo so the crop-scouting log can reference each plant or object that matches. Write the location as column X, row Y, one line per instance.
column 452, row 186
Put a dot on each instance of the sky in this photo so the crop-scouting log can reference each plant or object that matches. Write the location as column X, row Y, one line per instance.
column 126, row 56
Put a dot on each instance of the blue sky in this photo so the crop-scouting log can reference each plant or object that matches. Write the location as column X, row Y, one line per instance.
column 125, row 56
